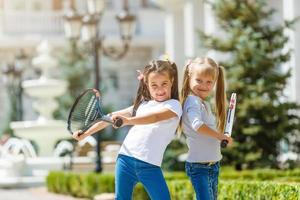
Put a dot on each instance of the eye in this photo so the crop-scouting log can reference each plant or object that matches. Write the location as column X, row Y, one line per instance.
column 199, row 81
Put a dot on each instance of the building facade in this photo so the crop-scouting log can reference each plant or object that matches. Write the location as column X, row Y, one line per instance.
column 163, row 26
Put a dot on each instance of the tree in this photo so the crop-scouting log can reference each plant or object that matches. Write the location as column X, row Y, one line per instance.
column 265, row 116
column 75, row 70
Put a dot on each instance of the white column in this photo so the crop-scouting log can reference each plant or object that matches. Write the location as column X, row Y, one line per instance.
column 291, row 11
column 210, row 27
column 174, row 34
column 296, row 55
column 193, row 22
column 174, row 31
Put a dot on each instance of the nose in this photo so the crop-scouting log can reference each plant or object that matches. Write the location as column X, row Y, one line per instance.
column 204, row 86
column 160, row 89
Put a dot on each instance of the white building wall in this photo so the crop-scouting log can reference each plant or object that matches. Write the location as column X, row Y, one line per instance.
column 158, row 31
column 296, row 68
column 291, row 11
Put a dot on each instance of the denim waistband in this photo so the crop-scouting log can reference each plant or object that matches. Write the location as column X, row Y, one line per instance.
column 204, row 163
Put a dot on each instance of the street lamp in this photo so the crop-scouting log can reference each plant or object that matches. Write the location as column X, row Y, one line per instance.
column 87, row 29
column 13, row 74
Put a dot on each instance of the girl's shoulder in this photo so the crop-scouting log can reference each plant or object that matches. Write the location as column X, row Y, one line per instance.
column 174, row 102
column 192, row 99
column 174, row 105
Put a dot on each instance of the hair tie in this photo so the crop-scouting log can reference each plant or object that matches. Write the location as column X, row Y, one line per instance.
column 140, row 76
column 164, row 57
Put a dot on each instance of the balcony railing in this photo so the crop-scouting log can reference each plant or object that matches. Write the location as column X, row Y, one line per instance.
column 24, row 22
column 150, row 23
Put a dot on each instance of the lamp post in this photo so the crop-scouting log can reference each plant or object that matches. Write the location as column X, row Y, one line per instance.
column 87, row 28
column 13, row 77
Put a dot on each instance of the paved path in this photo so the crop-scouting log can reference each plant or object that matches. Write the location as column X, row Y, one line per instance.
column 32, row 194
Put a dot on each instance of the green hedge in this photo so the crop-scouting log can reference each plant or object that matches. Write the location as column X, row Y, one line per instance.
column 262, row 175
column 80, row 185
column 88, row 185
column 263, row 190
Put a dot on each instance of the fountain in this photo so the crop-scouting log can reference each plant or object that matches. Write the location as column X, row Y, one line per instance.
column 20, row 165
column 45, row 131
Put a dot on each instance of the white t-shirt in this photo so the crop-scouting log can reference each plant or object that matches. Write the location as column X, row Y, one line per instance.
column 148, row 142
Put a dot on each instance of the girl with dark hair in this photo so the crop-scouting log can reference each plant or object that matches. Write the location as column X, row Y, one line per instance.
column 155, row 116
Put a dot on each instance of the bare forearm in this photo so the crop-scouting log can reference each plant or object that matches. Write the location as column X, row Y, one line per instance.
column 143, row 120
column 151, row 118
column 124, row 113
column 96, row 127
column 204, row 129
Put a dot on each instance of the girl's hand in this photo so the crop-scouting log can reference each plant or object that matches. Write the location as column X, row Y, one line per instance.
column 78, row 135
column 125, row 120
column 228, row 138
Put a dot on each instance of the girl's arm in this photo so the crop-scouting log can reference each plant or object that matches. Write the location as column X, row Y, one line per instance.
column 204, row 129
column 154, row 117
column 194, row 114
column 100, row 125
column 77, row 135
column 127, row 112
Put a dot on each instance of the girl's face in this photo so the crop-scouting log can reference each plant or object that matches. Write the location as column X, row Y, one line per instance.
column 201, row 85
column 159, row 85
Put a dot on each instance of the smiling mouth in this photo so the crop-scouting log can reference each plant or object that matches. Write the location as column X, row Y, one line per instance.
column 202, row 90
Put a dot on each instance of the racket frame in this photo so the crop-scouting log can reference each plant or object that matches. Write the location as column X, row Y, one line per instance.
column 99, row 117
column 229, row 119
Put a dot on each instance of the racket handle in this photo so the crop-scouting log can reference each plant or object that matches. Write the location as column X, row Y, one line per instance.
column 118, row 122
column 80, row 133
column 224, row 143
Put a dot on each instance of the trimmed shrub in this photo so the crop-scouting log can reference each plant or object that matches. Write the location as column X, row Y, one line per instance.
column 88, row 185
column 139, row 193
column 261, row 175
column 175, row 176
column 181, row 189
column 258, row 190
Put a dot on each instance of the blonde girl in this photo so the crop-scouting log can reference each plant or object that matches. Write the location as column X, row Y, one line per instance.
column 203, row 130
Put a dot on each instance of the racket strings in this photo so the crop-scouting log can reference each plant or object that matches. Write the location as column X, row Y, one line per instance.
column 85, row 112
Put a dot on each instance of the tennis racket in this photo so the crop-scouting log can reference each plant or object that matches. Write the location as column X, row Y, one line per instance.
column 86, row 111
column 229, row 119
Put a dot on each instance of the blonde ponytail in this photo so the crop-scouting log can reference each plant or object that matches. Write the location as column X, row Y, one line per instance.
column 220, row 99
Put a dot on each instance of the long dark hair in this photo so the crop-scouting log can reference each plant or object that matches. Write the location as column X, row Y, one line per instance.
column 157, row 66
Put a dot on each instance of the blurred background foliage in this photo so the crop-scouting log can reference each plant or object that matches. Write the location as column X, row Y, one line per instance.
column 255, row 49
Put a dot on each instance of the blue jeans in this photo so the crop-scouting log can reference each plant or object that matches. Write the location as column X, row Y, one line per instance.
column 130, row 171
column 204, row 179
